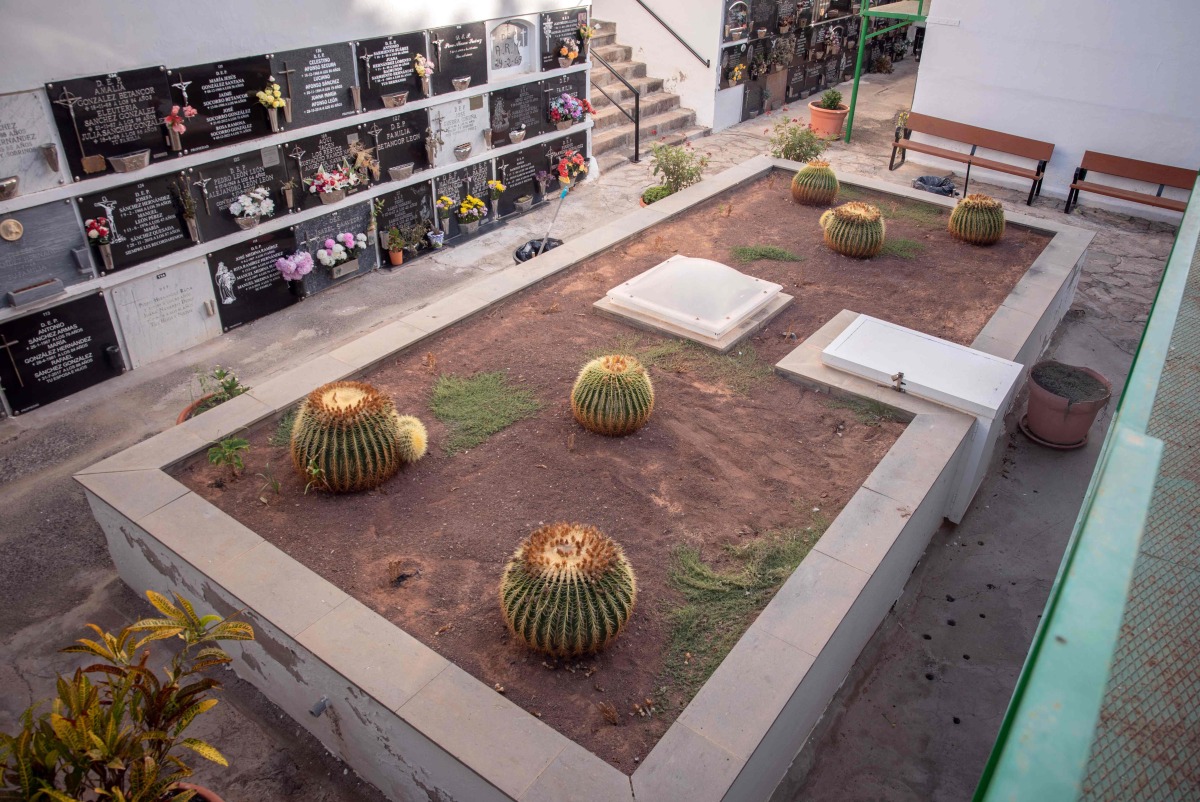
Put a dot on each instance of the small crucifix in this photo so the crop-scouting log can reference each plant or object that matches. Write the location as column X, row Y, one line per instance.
column 110, row 208
column 365, row 58
column 203, row 184
column 8, row 346
column 182, row 86
column 437, row 49
column 298, row 154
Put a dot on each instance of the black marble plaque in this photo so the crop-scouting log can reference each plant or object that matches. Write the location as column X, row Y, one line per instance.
column 572, row 83
column 458, row 184
column 246, row 282
column 312, row 234
column 752, row 99
column 737, row 21
column 386, row 68
column 814, row 77
column 458, row 51
column 804, row 12
column 318, row 82
column 557, row 26
column 216, row 185
column 407, row 206
column 145, row 219
column 795, row 84
column 731, row 57
column 763, row 14
column 516, row 171
column 223, row 96
column 556, row 149
column 518, row 106
column 51, row 246
column 57, row 352
column 398, row 141
column 329, row 150
column 111, row 115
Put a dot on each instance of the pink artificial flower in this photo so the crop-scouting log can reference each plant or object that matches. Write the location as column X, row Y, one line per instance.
column 329, row 244
column 188, row 111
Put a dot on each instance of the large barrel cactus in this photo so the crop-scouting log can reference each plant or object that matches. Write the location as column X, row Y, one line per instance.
column 568, row 590
column 854, row 229
column 352, row 433
column 978, row 219
column 613, row 395
column 815, row 184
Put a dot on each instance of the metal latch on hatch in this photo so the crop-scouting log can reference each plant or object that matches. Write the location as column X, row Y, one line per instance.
column 898, row 382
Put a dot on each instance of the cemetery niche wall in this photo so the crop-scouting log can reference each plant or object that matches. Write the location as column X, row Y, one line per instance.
column 164, row 153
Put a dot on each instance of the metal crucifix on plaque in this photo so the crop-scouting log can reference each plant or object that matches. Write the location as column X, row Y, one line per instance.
column 110, row 211
column 90, row 164
column 203, row 184
column 182, row 86
column 365, row 58
column 298, row 154
column 287, row 77
column 8, row 346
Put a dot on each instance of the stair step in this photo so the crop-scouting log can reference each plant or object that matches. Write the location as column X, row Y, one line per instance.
column 613, row 53
column 619, row 92
column 609, row 116
column 620, row 156
column 653, row 127
column 626, row 69
column 606, row 33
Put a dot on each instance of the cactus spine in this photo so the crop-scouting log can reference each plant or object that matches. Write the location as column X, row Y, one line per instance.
column 854, row 229
column 355, row 436
column 613, row 395
column 978, row 219
column 568, row 590
column 815, row 184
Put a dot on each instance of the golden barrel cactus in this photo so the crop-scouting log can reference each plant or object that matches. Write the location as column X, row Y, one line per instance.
column 353, row 434
column 854, row 229
column 613, row 395
column 568, row 590
column 978, row 219
column 815, row 184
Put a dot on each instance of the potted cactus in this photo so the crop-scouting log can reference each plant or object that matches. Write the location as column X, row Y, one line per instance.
column 568, row 590
column 977, row 219
column 828, row 114
column 613, row 395
column 854, row 229
column 815, row 184
column 348, row 437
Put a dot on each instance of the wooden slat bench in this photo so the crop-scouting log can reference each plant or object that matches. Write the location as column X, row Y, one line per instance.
column 1161, row 174
column 1034, row 149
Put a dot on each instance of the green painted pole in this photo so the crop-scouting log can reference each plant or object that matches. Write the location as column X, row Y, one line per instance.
column 862, row 44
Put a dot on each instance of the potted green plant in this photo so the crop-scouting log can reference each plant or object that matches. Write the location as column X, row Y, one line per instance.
column 395, row 247
column 216, row 387
column 828, row 114
column 795, row 141
column 677, row 166
column 1064, row 401
column 116, row 728
column 654, row 194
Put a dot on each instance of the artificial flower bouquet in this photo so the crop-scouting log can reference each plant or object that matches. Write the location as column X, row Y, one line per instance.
column 445, row 206
column 98, row 231
column 341, row 248
column 496, row 189
column 177, row 119
column 422, row 66
column 337, row 180
column 471, row 210
column 566, row 108
column 255, row 204
column 272, row 96
column 571, row 166
column 568, row 49
column 296, row 266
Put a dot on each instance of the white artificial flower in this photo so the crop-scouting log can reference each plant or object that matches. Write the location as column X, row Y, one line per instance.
column 267, row 206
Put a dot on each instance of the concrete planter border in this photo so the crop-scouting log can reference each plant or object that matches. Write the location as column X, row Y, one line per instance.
column 416, row 725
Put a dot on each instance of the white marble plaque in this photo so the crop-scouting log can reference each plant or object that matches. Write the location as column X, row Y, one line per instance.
column 459, row 122
column 512, row 47
column 24, row 129
column 167, row 312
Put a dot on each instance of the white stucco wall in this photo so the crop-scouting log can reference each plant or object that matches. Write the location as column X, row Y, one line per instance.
column 697, row 21
column 49, row 40
column 1098, row 75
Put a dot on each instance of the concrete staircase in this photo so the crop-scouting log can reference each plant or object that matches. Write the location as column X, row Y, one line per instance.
column 662, row 116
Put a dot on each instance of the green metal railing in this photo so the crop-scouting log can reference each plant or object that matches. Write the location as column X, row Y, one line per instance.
column 1045, row 739
column 867, row 14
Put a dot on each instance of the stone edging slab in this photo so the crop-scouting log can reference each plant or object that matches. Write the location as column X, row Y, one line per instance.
column 417, row 726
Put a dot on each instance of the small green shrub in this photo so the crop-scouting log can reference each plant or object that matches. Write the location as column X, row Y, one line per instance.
column 830, row 100
column 656, row 193
column 753, row 253
column 219, row 383
column 677, row 166
column 228, row 453
column 795, row 141
column 478, row 406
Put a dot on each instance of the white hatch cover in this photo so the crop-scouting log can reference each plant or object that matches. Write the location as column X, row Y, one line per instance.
column 937, row 370
column 699, row 295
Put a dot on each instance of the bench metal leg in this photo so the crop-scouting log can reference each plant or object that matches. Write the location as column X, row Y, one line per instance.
column 903, row 157
column 1032, row 189
column 967, row 179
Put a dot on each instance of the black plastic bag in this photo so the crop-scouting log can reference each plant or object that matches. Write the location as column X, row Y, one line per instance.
column 936, row 185
column 533, row 248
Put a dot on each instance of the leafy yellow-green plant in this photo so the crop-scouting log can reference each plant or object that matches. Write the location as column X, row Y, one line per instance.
column 348, row 434
column 613, row 395
column 978, row 219
column 815, row 184
column 229, row 453
column 568, row 590
column 115, row 729
column 854, row 229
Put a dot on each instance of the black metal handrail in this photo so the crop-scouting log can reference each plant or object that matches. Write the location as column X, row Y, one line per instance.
column 636, row 117
column 671, row 31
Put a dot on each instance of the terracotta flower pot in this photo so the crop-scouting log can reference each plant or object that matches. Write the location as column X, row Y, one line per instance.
column 828, row 122
column 201, row 792
column 396, row 257
column 1052, row 418
column 190, row 410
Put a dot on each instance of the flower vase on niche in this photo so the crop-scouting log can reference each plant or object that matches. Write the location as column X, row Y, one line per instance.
column 424, row 71
column 271, row 98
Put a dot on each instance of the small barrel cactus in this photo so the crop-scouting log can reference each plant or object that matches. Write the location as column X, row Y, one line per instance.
column 854, row 229
column 613, row 395
column 815, row 184
column 978, row 219
column 353, row 434
column 568, row 590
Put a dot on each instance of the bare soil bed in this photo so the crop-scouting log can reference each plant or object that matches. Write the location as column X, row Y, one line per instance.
column 731, row 453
